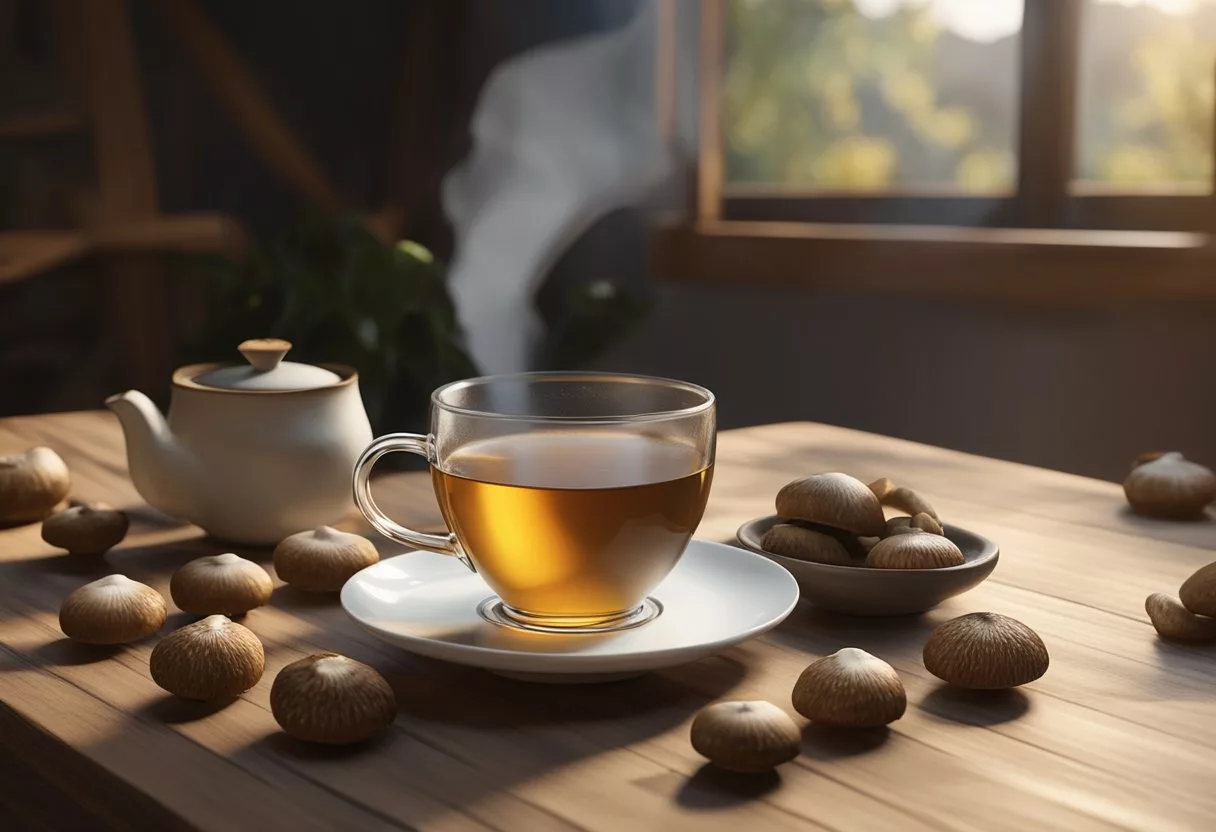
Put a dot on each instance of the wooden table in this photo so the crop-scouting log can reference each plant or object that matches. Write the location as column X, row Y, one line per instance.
column 1120, row 733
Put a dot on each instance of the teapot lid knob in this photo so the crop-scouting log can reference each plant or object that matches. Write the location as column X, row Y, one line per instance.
column 264, row 353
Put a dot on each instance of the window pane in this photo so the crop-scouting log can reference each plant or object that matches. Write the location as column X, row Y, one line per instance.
column 871, row 95
column 1145, row 97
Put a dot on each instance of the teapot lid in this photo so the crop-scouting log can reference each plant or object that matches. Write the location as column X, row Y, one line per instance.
column 267, row 370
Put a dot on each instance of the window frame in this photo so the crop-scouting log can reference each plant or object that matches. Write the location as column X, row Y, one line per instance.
column 1050, row 243
column 1044, row 195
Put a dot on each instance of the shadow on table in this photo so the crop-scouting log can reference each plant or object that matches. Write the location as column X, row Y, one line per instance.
column 64, row 652
column 174, row 711
column 1179, row 653
column 464, row 734
column 829, row 742
column 280, row 744
column 641, row 706
column 87, row 567
column 713, row 788
column 1146, row 521
column 976, row 707
column 289, row 598
column 821, row 632
column 145, row 518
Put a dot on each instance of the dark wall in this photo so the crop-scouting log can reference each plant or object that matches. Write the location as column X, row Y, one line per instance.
column 1076, row 391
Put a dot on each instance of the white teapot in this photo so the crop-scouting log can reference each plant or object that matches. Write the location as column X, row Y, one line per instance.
column 251, row 453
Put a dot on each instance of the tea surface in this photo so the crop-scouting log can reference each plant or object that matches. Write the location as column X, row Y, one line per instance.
column 574, row 525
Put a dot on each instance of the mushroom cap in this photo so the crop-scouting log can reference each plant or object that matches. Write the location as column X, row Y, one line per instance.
column 801, row 543
column 87, row 529
column 227, row 584
column 898, row 525
column 32, row 484
column 214, row 658
column 927, row 523
column 835, row 500
column 1173, row 620
column 899, row 497
column 852, row 688
column 112, row 610
column 750, row 737
column 329, row 698
column 1147, row 456
column 1170, row 486
column 867, row 544
column 322, row 560
column 915, row 549
column 882, row 487
column 985, row 651
column 1198, row 592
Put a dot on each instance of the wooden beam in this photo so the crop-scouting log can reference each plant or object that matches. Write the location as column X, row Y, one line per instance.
column 37, row 125
column 665, row 74
column 95, row 36
column 185, row 233
column 1039, row 265
column 114, row 98
column 26, row 254
column 235, row 86
column 414, row 162
column 1087, row 207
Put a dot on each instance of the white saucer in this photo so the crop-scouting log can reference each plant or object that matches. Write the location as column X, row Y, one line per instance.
column 716, row 596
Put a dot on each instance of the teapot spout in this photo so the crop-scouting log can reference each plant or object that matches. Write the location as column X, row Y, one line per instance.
column 158, row 464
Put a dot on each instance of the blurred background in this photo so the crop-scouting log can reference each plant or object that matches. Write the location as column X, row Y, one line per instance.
column 982, row 224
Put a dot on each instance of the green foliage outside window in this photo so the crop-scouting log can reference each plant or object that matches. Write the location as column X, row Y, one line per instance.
column 816, row 95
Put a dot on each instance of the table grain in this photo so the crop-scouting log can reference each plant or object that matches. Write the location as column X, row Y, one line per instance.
column 1120, row 733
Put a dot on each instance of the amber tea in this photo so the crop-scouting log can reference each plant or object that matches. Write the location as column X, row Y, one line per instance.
column 577, row 526
column 573, row 494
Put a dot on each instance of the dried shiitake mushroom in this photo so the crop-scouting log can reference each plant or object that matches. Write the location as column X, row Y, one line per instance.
column 802, row 543
column 225, row 584
column 750, row 737
column 214, row 658
column 922, row 522
column 1173, row 620
column 867, row 544
column 112, row 610
column 1147, row 456
column 835, row 500
column 985, row 651
column 87, row 529
column 915, row 549
column 899, row 497
column 852, row 543
column 32, row 484
column 329, row 698
column 1169, row 486
column 898, row 525
column 1198, row 592
column 850, row 687
column 927, row 523
column 324, row 559
column 882, row 487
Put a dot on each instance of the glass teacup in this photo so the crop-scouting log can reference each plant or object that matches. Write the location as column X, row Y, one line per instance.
column 572, row 494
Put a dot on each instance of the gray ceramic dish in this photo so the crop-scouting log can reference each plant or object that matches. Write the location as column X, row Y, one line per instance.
column 855, row 590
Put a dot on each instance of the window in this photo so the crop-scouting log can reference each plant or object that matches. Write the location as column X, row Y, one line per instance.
column 1144, row 109
column 960, row 112
column 1038, row 125
column 870, row 96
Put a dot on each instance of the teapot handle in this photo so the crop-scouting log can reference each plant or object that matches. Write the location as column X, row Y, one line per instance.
column 414, row 443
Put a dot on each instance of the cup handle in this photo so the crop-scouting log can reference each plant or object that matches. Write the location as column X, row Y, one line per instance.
column 414, row 443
